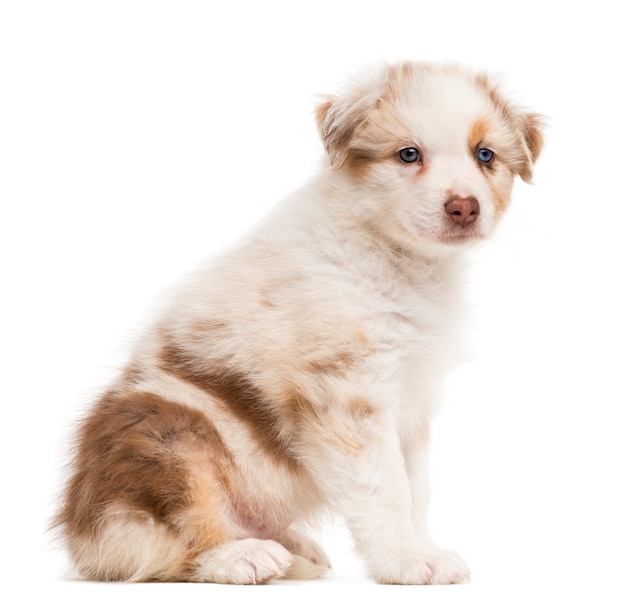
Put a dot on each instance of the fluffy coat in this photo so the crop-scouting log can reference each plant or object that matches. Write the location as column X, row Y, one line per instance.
column 298, row 373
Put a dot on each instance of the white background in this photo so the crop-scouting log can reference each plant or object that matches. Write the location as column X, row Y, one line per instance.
column 138, row 138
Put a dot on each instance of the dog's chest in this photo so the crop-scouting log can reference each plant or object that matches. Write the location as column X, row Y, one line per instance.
column 409, row 318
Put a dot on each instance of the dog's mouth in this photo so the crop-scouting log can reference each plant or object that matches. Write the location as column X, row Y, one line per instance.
column 447, row 234
column 453, row 234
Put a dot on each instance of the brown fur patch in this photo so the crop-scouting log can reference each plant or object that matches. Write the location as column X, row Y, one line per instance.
column 140, row 452
column 495, row 97
column 500, row 188
column 336, row 364
column 346, row 428
column 132, row 374
column 342, row 357
column 337, row 127
column 202, row 330
column 379, row 138
column 365, row 129
column 527, row 128
column 477, row 134
column 532, row 126
column 146, row 470
column 369, row 148
column 531, row 133
column 238, row 394
column 360, row 408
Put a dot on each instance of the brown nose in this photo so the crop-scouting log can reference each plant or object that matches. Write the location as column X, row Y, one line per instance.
column 462, row 210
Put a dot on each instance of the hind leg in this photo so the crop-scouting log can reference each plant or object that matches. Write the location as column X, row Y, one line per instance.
column 147, row 493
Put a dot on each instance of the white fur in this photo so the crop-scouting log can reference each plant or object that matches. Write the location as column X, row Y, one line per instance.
column 341, row 307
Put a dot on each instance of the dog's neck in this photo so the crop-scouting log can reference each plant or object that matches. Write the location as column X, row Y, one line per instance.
column 319, row 219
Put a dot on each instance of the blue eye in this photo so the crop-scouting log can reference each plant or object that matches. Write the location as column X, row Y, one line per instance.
column 485, row 155
column 409, row 154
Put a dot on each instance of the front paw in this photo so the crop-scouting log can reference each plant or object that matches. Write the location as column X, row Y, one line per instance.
column 310, row 561
column 430, row 566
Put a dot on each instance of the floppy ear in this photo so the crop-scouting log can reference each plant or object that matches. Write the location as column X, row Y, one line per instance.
column 337, row 120
column 531, row 127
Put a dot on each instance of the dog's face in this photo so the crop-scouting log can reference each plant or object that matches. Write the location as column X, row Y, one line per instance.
column 431, row 150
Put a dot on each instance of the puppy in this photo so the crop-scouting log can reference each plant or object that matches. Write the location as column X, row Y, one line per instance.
column 298, row 373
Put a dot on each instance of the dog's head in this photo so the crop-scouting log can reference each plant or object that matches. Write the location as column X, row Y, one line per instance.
column 431, row 151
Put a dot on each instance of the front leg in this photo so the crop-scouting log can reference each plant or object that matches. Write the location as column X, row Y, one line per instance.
column 355, row 452
column 448, row 566
column 415, row 451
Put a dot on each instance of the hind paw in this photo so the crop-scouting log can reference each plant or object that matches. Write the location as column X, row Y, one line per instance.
column 243, row 562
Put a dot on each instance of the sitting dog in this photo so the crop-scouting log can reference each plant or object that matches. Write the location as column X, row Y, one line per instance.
column 298, row 373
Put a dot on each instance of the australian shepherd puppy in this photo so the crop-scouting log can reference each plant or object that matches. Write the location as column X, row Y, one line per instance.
column 298, row 373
